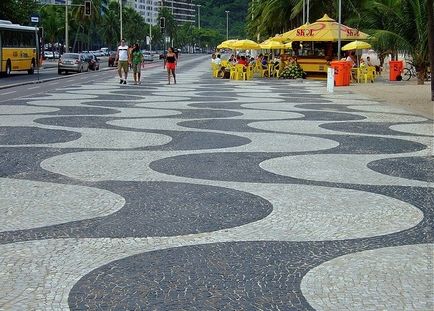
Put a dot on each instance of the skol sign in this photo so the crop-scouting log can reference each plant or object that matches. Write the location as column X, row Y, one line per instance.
column 305, row 32
column 352, row 32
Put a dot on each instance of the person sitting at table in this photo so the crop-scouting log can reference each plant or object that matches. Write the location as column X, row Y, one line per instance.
column 242, row 61
column 218, row 60
column 352, row 58
column 232, row 59
column 213, row 57
column 370, row 64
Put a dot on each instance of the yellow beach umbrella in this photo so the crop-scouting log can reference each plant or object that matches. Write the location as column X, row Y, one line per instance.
column 356, row 45
column 226, row 44
column 272, row 45
column 288, row 45
column 278, row 38
column 284, row 36
column 245, row 45
column 324, row 29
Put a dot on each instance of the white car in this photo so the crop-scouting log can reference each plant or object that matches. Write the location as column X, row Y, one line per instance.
column 148, row 56
column 49, row 55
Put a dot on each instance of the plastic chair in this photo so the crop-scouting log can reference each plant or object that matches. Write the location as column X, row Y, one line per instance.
column 365, row 74
column 225, row 63
column 215, row 70
column 372, row 71
column 233, row 72
column 250, row 72
column 270, row 69
column 241, row 72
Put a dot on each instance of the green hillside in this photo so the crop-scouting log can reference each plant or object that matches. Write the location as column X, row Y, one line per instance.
column 213, row 16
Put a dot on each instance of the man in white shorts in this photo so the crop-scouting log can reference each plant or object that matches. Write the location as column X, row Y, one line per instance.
column 122, row 56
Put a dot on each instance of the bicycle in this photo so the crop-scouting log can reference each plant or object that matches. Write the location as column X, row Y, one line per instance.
column 410, row 71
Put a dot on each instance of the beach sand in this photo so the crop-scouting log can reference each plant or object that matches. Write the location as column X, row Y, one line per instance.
column 405, row 94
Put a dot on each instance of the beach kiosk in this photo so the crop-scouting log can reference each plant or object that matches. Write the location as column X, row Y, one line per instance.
column 315, row 45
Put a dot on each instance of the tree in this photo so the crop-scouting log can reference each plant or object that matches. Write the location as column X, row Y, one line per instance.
column 399, row 25
column 135, row 28
column 18, row 11
column 52, row 20
column 288, row 14
column 170, row 29
column 430, row 14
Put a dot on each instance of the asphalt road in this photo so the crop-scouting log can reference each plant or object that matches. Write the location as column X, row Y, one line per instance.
column 21, row 84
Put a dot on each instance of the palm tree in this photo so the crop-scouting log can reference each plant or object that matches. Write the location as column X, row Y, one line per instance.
column 269, row 17
column 170, row 28
column 52, row 22
column 399, row 25
column 109, row 25
column 429, row 10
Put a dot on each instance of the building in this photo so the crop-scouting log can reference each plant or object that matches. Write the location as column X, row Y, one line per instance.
column 62, row 2
column 184, row 11
column 147, row 8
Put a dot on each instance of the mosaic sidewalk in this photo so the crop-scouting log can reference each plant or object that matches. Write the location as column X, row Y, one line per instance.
column 214, row 195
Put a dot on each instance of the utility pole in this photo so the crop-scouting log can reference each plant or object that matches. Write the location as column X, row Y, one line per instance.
column 198, row 10
column 227, row 25
column 150, row 36
column 339, row 32
column 307, row 11
column 66, row 28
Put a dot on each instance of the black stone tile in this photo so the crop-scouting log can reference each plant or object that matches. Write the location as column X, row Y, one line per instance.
column 158, row 209
column 376, row 128
column 417, row 168
column 25, row 135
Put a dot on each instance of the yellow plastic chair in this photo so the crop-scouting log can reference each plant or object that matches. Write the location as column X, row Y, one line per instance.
column 224, row 63
column 270, row 69
column 250, row 72
column 215, row 70
column 240, row 74
column 372, row 71
column 275, row 71
column 364, row 74
column 233, row 72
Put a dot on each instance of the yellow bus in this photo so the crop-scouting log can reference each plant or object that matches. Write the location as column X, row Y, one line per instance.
column 18, row 48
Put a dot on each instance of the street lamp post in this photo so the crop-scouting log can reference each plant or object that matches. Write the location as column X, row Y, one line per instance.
column 304, row 12
column 120, row 14
column 66, row 28
column 198, row 12
column 227, row 25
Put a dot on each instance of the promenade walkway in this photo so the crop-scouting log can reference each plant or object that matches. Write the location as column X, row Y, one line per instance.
column 214, row 195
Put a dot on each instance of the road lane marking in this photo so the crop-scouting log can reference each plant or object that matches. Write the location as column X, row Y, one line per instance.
column 9, row 92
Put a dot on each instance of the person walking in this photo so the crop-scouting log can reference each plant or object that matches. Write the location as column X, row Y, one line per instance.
column 170, row 64
column 136, row 60
column 122, row 56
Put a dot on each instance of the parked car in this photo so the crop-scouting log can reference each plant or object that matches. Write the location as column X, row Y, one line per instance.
column 105, row 51
column 112, row 60
column 72, row 62
column 148, row 56
column 93, row 62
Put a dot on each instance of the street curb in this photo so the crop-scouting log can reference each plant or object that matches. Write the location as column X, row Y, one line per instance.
column 50, row 79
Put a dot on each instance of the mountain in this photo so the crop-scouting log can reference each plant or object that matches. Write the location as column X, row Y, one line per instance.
column 212, row 15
